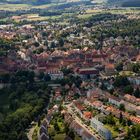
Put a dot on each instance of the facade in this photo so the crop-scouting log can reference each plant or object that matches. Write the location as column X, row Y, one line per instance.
column 114, row 100
column 56, row 75
column 134, row 80
column 102, row 131
column 87, row 136
column 87, row 73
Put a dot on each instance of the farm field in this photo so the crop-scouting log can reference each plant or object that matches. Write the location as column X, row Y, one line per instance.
column 14, row 7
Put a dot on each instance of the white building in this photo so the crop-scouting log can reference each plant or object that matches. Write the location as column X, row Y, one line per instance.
column 56, row 75
column 102, row 131
column 115, row 100
column 134, row 80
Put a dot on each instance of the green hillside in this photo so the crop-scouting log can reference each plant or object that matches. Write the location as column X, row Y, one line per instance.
column 125, row 3
column 34, row 2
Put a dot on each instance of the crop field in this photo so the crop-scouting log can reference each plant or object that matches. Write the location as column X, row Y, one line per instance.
column 14, row 7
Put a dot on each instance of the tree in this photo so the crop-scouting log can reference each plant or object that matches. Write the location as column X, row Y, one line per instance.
column 5, row 78
column 129, row 122
column 52, row 45
column 119, row 67
column 47, row 77
column 61, row 42
column 137, row 93
column 122, row 107
column 121, row 81
column 22, row 136
column 44, row 34
column 128, row 89
column 71, row 134
column 41, row 75
column 66, row 129
column 121, row 118
column 136, row 68
column 31, row 76
column 110, row 119
column 36, row 44
column 46, row 43
column 56, row 127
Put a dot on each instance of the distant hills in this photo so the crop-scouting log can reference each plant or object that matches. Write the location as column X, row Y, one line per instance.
column 34, row 2
column 125, row 3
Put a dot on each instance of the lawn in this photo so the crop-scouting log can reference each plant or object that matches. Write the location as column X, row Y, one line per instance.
column 59, row 137
column 77, row 137
column 62, row 136
column 127, row 73
column 114, row 133
column 34, row 137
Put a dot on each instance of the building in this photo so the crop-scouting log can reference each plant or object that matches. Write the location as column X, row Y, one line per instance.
column 102, row 131
column 114, row 100
column 87, row 136
column 134, row 80
column 87, row 115
column 131, row 107
column 56, row 74
column 77, row 128
column 87, row 73
column 110, row 69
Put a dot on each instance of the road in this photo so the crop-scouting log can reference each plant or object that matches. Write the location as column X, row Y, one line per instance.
column 80, row 122
column 30, row 133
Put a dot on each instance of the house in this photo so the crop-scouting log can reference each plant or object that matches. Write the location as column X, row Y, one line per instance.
column 132, row 99
column 114, row 100
column 110, row 69
column 97, row 104
column 68, row 118
column 79, row 107
column 77, row 128
column 102, row 131
column 131, row 107
column 55, row 74
column 134, row 80
column 58, row 97
column 43, row 136
column 87, row 136
column 43, row 130
column 87, row 73
column 94, row 93
column 87, row 115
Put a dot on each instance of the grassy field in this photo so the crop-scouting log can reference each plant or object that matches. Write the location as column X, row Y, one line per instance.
column 127, row 73
column 59, row 137
column 113, row 11
column 36, row 17
column 84, row 16
column 62, row 137
column 34, row 137
column 14, row 7
column 114, row 133
column 90, row 12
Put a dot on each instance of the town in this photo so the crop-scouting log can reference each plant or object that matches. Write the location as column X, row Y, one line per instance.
column 75, row 76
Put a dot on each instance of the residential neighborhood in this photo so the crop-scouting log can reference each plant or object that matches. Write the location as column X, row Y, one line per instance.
column 69, row 70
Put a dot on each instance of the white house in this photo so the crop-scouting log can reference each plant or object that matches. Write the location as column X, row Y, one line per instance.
column 102, row 131
column 114, row 100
